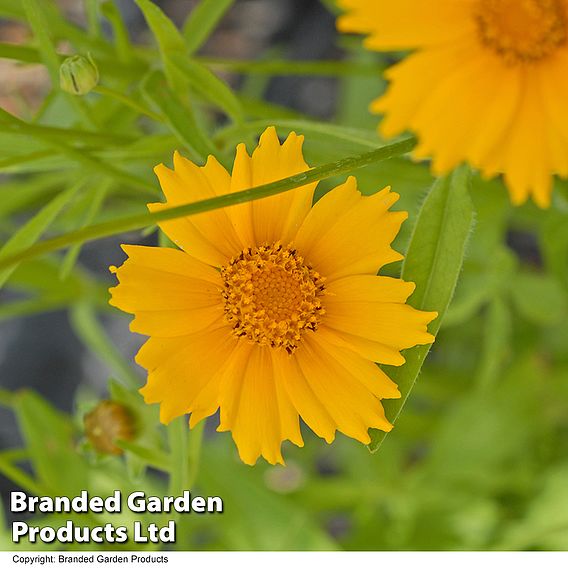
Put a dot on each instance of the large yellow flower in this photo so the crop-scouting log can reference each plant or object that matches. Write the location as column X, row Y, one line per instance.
column 272, row 310
column 487, row 83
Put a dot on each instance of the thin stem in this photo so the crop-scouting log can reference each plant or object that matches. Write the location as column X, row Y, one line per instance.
column 285, row 67
column 194, row 453
column 177, row 436
column 93, row 18
column 139, row 221
column 106, row 91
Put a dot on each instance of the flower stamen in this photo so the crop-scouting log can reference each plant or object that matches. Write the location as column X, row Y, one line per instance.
column 521, row 31
column 272, row 296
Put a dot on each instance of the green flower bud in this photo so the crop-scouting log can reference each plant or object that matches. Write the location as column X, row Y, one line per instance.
column 78, row 75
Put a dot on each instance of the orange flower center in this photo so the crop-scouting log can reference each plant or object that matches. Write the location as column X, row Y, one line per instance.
column 272, row 296
column 522, row 31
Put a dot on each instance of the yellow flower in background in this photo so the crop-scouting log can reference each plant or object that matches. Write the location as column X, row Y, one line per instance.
column 487, row 83
column 272, row 309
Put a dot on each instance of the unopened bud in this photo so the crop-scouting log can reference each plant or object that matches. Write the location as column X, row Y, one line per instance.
column 78, row 75
column 108, row 422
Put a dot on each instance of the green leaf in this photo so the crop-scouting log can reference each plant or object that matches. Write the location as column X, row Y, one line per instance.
column 150, row 456
column 50, row 439
column 96, row 199
column 554, row 243
column 284, row 67
column 29, row 233
column 170, row 41
column 202, row 21
column 36, row 19
column 544, row 525
column 124, row 223
column 87, row 327
column 433, row 262
column 274, row 523
column 120, row 31
column 93, row 18
column 353, row 139
column 208, row 86
column 497, row 332
column 179, row 116
column 540, row 298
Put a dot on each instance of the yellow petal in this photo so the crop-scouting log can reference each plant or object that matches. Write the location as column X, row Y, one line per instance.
column 256, row 411
column 209, row 236
column 346, row 398
column 274, row 218
column 373, row 308
column 364, row 370
column 406, row 24
column 168, row 292
column 290, row 377
column 346, row 233
column 180, row 369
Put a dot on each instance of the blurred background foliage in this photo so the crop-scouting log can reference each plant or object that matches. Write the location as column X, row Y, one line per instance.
column 479, row 458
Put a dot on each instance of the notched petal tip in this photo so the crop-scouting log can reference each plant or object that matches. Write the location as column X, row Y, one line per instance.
column 160, row 168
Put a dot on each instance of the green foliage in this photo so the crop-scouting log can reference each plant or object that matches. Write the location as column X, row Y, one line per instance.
column 433, row 262
column 477, row 459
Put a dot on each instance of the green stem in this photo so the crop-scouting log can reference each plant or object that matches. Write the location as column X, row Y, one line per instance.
column 177, row 436
column 20, row 478
column 284, row 67
column 93, row 19
column 106, row 91
column 139, row 221
column 194, row 453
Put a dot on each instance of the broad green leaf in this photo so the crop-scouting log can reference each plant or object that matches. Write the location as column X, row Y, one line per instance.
column 433, row 262
column 202, row 21
column 29, row 233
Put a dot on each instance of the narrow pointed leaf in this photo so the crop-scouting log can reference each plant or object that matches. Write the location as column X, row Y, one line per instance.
column 433, row 261
column 29, row 233
column 202, row 21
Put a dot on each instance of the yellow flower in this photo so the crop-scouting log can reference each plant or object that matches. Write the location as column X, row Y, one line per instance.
column 272, row 310
column 487, row 83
